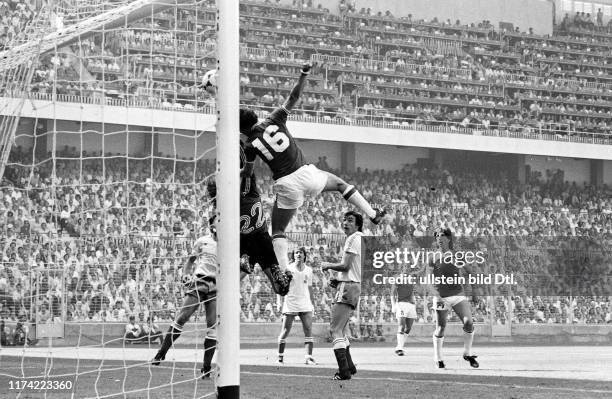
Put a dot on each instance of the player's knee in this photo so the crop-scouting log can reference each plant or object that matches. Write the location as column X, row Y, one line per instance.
column 335, row 183
column 178, row 324
column 340, row 184
column 337, row 331
column 181, row 321
column 182, row 318
column 468, row 325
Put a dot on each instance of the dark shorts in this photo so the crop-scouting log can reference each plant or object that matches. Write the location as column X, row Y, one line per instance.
column 204, row 290
column 348, row 292
column 258, row 246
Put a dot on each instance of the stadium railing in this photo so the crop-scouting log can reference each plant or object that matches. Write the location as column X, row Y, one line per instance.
column 355, row 117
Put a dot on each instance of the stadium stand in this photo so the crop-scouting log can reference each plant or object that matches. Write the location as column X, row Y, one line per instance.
column 402, row 72
column 110, row 281
column 382, row 70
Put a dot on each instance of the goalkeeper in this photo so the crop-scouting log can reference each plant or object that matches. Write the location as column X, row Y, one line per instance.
column 255, row 241
column 200, row 287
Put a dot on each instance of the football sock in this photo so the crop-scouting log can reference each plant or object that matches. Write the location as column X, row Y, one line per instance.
column 172, row 335
column 339, row 346
column 437, row 343
column 354, row 197
column 309, row 344
column 400, row 340
column 281, row 347
column 210, row 344
column 468, row 338
column 279, row 242
column 349, row 358
column 279, row 302
column 339, row 343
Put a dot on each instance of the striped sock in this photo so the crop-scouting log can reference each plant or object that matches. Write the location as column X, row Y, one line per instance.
column 281, row 247
column 438, row 342
column 354, row 197
column 309, row 345
column 281, row 348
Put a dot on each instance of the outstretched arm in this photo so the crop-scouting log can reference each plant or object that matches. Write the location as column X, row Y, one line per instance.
column 294, row 96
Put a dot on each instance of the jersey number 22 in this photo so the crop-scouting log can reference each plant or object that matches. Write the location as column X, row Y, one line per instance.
column 256, row 214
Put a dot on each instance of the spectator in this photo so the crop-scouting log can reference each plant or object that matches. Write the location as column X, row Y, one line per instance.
column 133, row 331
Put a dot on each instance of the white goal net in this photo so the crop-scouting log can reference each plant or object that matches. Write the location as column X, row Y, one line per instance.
column 107, row 141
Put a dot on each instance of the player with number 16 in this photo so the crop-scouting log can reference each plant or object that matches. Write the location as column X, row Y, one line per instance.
column 293, row 177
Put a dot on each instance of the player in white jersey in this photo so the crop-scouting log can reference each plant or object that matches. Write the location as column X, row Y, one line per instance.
column 298, row 303
column 199, row 283
column 348, row 283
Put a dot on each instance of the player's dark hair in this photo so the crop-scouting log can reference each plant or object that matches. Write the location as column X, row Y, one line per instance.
column 358, row 219
column 304, row 253
column 445, row 232
column 248, row 119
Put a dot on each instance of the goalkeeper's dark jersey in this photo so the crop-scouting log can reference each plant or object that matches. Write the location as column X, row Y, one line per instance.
column 252, row 219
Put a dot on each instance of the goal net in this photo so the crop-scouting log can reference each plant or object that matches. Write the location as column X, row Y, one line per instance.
column 107, row 141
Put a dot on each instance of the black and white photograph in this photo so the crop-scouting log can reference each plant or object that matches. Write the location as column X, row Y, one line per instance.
column 326, row 199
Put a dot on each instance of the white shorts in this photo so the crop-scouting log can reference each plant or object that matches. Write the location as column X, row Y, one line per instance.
column 405, row 309
column 290, row 190
column 296, row 308
column 448, row 302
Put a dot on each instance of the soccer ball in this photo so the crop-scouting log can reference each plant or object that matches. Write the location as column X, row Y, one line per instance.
column 209, row 81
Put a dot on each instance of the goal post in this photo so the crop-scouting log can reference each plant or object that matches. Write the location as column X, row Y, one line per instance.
column 113, row 157
column 228, row 183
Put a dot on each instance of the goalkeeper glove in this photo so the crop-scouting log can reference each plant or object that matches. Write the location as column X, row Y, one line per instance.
column 333, row 282
column 306, row 68
column 245, row 264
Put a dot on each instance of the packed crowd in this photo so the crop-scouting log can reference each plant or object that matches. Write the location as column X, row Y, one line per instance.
column 111, row 234
column 14, row 16
column 585, row 21
column 440, row 74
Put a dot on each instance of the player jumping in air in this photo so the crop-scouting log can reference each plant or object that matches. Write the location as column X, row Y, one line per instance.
column 255, row 241
column 402, row 297
column 293, row 177
column 348, row 281
column 200, row 286
column 450, row 296
column 298, row 303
